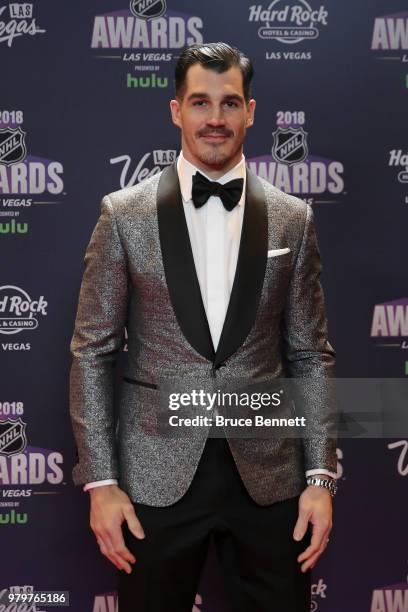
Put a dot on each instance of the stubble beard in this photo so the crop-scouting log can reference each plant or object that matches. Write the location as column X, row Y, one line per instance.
column 215, row 157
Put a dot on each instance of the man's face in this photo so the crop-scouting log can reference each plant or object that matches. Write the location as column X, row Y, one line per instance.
column 213, row 117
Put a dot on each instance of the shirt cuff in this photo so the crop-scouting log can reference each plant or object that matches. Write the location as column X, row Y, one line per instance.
column 320, row 471
column 99, row 483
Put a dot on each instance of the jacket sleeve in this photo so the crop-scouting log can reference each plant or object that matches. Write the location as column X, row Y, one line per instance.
column 97, row 340
column 308, row 353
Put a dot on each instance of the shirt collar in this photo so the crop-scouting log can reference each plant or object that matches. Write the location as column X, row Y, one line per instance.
column 186, row 169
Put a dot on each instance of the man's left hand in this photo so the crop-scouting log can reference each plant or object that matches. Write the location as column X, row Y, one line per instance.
column 315, row 505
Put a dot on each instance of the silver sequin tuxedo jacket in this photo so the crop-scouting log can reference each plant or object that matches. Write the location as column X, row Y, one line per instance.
column 140, row 275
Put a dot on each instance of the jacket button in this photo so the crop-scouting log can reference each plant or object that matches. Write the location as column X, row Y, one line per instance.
column 220, row 365
column 214, row 368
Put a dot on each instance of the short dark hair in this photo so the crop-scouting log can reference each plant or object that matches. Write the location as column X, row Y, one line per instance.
column 218, row 56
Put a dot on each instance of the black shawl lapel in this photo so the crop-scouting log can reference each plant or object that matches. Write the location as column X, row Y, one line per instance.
column 250, row 271
column 179, row 267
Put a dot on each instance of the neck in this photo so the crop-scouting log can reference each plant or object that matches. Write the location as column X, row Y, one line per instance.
column 213, row 171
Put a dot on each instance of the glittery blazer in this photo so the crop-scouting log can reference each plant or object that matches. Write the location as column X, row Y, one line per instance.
column 140, row 276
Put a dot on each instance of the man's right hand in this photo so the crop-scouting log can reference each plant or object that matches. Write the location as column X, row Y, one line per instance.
column 110, row 506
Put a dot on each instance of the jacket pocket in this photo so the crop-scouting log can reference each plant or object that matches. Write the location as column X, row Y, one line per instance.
column 141, row 383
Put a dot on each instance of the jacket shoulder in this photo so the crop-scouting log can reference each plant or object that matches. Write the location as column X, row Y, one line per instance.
column 288, row 205
column 141, row 196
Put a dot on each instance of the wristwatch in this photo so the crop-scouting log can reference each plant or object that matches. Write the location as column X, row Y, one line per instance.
column 328, row 483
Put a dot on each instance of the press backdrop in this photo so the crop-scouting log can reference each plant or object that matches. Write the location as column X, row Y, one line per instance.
column 84, row 110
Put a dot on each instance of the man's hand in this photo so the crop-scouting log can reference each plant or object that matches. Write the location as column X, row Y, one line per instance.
column 315, row 505
column 109, row 507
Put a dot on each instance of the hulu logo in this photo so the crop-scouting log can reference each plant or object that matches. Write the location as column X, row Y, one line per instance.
column 146, row 82
column 12, row 518
column 11, row 227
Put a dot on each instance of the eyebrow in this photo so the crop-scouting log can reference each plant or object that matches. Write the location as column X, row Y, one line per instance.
column 198, row 94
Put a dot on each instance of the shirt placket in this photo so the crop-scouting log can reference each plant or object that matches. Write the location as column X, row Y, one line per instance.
column 215, row 267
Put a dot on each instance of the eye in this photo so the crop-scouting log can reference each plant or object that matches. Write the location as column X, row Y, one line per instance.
column 231, row 102
column 199, row 102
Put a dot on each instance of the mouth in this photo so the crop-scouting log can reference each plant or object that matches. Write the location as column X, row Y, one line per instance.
column 215, row 137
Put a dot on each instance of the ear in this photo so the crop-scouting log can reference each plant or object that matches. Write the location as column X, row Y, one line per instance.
column 175, row 112
column 250, row 112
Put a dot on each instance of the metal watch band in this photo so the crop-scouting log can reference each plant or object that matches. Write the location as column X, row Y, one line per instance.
column 327, row 483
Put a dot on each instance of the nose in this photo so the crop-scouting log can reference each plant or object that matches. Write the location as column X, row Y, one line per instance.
column 216, row 117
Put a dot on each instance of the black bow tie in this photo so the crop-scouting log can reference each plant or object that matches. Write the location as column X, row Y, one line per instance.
column 202, row 189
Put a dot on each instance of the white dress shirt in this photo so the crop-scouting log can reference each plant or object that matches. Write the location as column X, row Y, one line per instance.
column 215, row 235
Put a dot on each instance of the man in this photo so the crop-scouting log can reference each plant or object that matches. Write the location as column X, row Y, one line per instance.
column 182, row 261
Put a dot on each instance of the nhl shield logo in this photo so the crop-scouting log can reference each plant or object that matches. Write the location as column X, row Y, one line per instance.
column 147, row 9
column 289, row 145
column 12, row 146
column 13, row 438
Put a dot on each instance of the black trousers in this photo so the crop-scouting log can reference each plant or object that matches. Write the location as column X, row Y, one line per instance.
column 254, row 544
